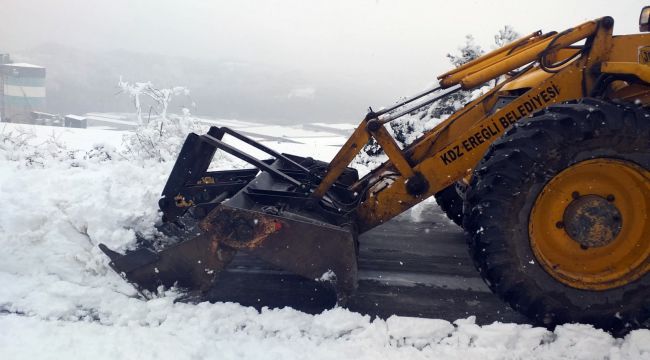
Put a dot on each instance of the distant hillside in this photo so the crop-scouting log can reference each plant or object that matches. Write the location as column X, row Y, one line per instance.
column 80, row 81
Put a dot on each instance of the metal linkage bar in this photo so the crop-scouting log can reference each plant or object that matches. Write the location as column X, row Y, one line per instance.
column 391, row 117
column 250, row 159
column 266, row 149
column 407, row 101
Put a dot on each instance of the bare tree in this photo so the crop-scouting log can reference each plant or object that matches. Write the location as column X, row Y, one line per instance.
column 161, row 136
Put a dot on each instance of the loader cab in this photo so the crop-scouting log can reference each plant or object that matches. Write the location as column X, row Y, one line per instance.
column 644, row 19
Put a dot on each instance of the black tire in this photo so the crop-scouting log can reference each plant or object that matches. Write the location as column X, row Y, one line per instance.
column 451, row 203
column 504, row 188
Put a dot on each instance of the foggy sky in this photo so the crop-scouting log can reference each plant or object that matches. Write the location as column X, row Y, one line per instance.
column 397, row 46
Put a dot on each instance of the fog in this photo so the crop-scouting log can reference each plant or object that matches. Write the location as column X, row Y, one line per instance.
column 282, row 61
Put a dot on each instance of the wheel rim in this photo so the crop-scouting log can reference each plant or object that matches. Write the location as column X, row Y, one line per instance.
column 589, row 226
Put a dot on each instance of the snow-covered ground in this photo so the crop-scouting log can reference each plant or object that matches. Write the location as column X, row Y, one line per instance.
column 61, row 195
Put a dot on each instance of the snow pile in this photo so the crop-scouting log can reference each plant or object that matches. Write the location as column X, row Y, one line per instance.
column 60, row 300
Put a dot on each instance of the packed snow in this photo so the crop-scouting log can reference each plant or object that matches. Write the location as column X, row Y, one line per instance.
column 63, row 191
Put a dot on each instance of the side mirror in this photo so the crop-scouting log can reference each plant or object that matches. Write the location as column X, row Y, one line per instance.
column 644, row 19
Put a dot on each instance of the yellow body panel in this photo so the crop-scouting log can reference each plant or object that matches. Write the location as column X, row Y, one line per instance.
column 449, row 163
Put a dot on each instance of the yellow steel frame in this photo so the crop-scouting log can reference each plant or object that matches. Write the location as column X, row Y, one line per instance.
column 450, row 151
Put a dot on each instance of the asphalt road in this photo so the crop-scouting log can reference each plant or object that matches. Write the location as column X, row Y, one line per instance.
column 406, row 267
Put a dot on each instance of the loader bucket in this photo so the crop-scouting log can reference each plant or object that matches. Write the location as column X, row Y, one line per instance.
column 266, row 212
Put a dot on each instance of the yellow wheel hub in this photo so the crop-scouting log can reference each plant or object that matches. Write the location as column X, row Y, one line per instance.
column 589, row 226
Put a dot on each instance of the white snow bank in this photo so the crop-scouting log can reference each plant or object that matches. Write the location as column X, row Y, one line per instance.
column 59, row 299
column 73, row 138
column 229, row 331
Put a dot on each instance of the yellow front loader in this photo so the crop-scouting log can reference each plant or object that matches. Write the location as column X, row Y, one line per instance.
column 548, row 173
